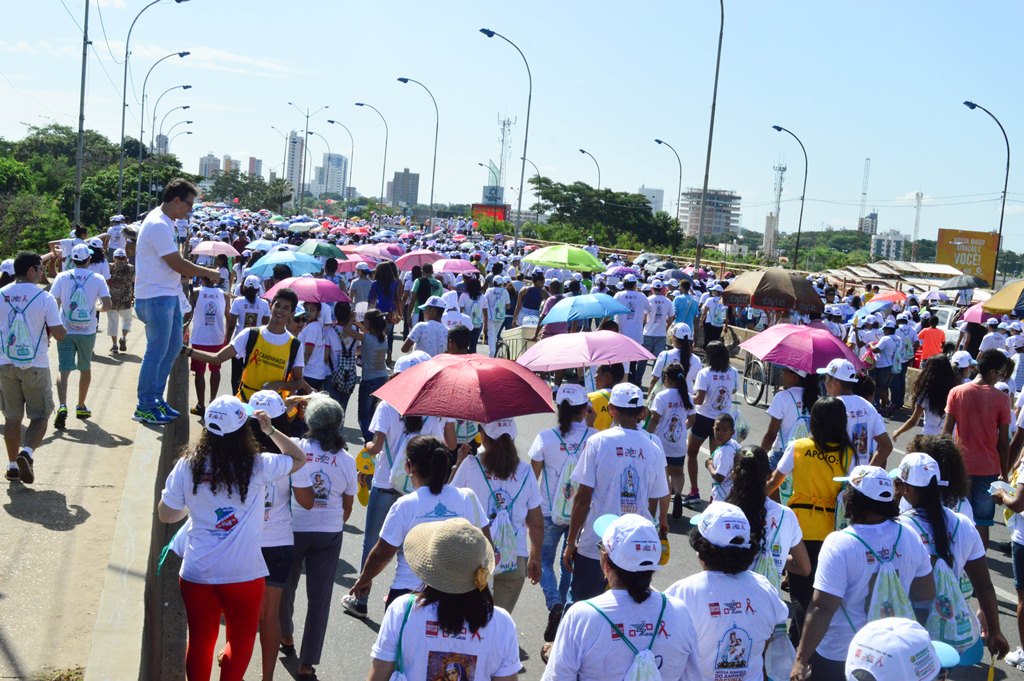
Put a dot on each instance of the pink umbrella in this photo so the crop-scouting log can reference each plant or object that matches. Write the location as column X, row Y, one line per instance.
column 455, row 266
column 893, row 296
column 459, row 237
column 406, row 235
column 215, row 248
column 588, row 348
column 977, row 314
column 394, row 249
column 806, row 348
column 378, row 251
column 310, row 290
column 419, row 257
column 349, row 266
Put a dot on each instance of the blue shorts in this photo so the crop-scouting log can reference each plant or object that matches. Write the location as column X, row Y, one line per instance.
column 1017, row 551
column 982, row 503
column 279, row 563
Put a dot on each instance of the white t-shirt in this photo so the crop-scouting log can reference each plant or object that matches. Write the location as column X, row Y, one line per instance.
column 965, row 541
column 427, row 651
column 588, row 649
column 671, row 430
column 721, row 460
column 420, row 506
column 782, row 532
column 659, row 311
column 208, row 320
column 430, row 336
column 863, row 424
column 887, row 352
column 933, row 422
column 845, row 569
column 734, row 616
column 452, row 318
column 718, row 389
column 223, row 545
column 322, row 340
column 101, row 268
column 242, row 337
column 473, row 308
column 496, row 299
column 153, row 276
column 40, row 311
column 788, row 407
column 632, row 323
column 549, row 447
column 250, row 314
column 332, row 475
column 93, row 288
column 667, row 357
column 387, row 420
column 277, row 512
column 517, row 495
column 117, row 238
column 716, row 311
column 625, row 468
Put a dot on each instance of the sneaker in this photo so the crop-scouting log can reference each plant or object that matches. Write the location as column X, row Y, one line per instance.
column 554, row 617
column 25, row 468
column 113, row 349
column 82, row 412
column 691, row 498
column 677, row 506
column 353, row 606
column 122, row 345
column 1016, row 658
column 168, row 410
column 151, row 416
column 62, row 418
column 198, row 410
column 13, row 474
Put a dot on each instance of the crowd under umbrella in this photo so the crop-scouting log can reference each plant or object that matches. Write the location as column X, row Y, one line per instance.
column 871, row 307
column 321, row 249
column 963, row 281
column 978, row 314
column 261, row 245
column 773, row 289
column 578, row 308
column 418, row 257
column 584, row 349
column 215, row 248
column 451, row 266
column 310, row 290
column 300, row 263
column 805, row 348
column 565, row 257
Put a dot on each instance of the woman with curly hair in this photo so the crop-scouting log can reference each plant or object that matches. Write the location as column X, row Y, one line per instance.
column 929, row 397
column 943, row 449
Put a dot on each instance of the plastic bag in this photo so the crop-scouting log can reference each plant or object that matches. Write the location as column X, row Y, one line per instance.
column 779, row 656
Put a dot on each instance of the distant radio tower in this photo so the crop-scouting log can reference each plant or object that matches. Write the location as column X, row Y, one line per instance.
column 771, row 229
column 917, row 225
column 506, row 146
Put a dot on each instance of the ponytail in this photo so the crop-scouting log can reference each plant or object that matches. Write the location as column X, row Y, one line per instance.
column 934, row 511
column 750, row 471
column 677, row 373
column 568, row 414
column 428, row 456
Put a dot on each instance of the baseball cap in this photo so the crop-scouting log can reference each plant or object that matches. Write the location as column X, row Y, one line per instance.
column 897, row 649
column 409, row 361
column 268, row 401
column 626, row 396
column 724, row 525
column 682, row 331
column 252, row 281
column 657, row 283
column 496, row 429
column 961, row 359
column 95, row 242
column 991, row 321
column 7, row 266
column 926, row 315
column 1016, row 326
column 841, row 370
column 116, row 218
column 917, row 470
column 81, row 252
column 537, row 275
column 717, row 288
column 433, row 301
column 903, row 317
column 672, row 283
column 889, row 324
column 629, row 279
column 1003, row 326
column 630, row 540
column 451, row 300
column 871, row 481
column 575, row 395
column 226, row 414
column 645, row 288
column 120, row 253
column 799, row 372
column 362, row 266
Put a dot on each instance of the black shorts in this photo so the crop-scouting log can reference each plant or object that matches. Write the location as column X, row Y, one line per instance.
column 279, row 563
column 677, row 461
column 703, row 426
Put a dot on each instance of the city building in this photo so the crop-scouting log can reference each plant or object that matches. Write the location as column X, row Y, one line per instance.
column 273, row 176
column 293, row 162
column 890, row 245
column 208, row 165
column 656, row 197
column 331, row 177
column 229, row 164
column 721, row 216
column 771, row 231
column 868, row 223
column 405, row 188
column 389, row 192
column 255, row 167
column 161, row 144
column 733, row 249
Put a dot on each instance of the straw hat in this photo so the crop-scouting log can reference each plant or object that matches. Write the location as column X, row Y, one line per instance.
column 452, row 556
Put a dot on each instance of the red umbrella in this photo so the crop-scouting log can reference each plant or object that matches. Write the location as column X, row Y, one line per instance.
column 894, row 296
column 310, row 290
column 419, row 257
column 471, row 387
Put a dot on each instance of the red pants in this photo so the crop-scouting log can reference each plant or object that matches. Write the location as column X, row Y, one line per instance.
column 204, row 603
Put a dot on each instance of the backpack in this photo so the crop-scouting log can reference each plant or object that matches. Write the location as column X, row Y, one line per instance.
column 561, row 507
column 19, row 346
column 399, row 479
column 343, row 367
column 399, row 673
column 887, row 596
column 764, row 564
column 801, row 429
column 76, row 311
column 645, row 664
column 503, row 534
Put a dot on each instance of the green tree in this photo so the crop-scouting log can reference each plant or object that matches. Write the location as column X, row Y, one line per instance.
column 29, row 222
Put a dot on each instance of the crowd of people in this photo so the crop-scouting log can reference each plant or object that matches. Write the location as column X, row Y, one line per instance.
column 817, row 561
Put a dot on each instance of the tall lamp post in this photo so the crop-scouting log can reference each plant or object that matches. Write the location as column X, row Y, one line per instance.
column 1006, row 183
column 587, row 153
column 536, row 171
column 171, row 129
column 163, row 120
column 327, row 169
column 142, row 120
column 437, row 123
column 711, row 136
column 803, row 193
column 183, row 132
column 152, row 128
column 679, row 192
column 124, row 103
column 351, row 157
column 526, row 134
column 384, row 165
column 305, row 134
column 284, row 157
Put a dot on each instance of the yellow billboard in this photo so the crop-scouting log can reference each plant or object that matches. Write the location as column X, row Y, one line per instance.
column 970, row 252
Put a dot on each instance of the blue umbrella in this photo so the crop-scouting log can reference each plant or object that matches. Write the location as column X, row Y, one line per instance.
column 300, row 263
column 591, row 306
column 871, row 307
column 261, row 245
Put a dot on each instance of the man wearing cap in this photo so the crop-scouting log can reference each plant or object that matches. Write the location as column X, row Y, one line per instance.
column 77, row 292
column 714, row 315
column 631, row 323
column 116, row 237
column 359, row 289
column 621, row 470
column 993, row 339
column 864, row 425
column 887, row 350
column 430, row 335
column 658, row 318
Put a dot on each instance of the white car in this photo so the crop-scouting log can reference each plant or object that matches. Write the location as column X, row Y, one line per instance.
column 948, row 316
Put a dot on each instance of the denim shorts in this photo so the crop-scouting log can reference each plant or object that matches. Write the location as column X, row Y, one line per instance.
column 982, row 503
column 279, row 563
column 1017, row 551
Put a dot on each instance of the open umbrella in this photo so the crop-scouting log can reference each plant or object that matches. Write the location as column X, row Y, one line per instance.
column 935, row 297
column 871, row 307
column 565, row 257
column 471, row 387
column 621, row 271
column 215, row 248
column 300, row 227
column 261, row 245
column 321, row 249
column 419, row 257
column 300, row 263
column 589, row 348
column 893, row 296
column 963, row 281
column 455, row 266
column 1008, row 299
column 310, row 290
column 590, row 306
column 773, row 289
column 977, row 314
column 806, row 348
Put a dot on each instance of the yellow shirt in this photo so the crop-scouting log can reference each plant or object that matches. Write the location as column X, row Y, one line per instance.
column 267, row 363
column 814, row 491
column 599, row 403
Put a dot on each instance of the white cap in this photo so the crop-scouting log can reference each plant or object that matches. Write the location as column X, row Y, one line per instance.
column 841, row 370
column 451, row 299
column 363, row 266
column 1015, row 342
column 657, row 283
column 1003, row 387
column 252, row 281
column 871, row 481
column 672, row 283
column 682, row 331
column 496, row 429
column 226, row 414
column 626, row 396
column 917, row 470
column 268, row 401
column 645, row 288
column 1003, row 326
column 897, row 649
column 247, row 253
column 575, row 395
column 961, row 359
column 926, row 315
column 409, row 361
column 991, row 321
column 120, row 253
column 629, row 279
column 889, row 324
column 7, row 267
column 717, row 288
column 724, row 525
column 1016, row 326
column 80, row 252
column 903, row 317
column 95, row 242
column 631, row 541
column 114, row 219
column 433, row 301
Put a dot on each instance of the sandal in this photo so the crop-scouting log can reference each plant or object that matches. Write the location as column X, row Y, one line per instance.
column 288, row 649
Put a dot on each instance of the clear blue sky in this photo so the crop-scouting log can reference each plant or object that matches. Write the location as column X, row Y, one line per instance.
column 872, row 79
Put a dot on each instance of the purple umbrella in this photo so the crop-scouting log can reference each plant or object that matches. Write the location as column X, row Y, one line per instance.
column 806, row 348
column 621, row 271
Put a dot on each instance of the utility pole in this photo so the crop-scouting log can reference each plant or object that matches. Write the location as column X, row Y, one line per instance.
column 917, row 224
column 80, row 152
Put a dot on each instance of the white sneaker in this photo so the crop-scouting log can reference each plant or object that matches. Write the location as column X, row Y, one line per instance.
column 1016, row 658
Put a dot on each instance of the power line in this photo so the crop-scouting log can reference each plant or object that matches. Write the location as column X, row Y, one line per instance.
column 72, row 16
column 99, row 10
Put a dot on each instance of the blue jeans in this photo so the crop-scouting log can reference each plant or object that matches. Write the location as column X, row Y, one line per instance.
column 474, row 338
column 654, row 345
column 555, row 590
column 587, row 579
column 377, row 509
column 367, row 404
column 162, row 317
column 898, row 387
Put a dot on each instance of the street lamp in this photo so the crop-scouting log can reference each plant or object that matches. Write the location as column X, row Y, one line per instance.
column 800, row 222
column 536, row 170
column 351, row 157
column 171, row 129
column 142, row 119
column 526, row 135
column 305, row 134
column 1006, row 182
column 384, row 165
column 679, row 190
column 711, row 136
column 124, row 104
column 327, row 168
column 587, row 153
column 437, row 123
column 183, row 132
column 491, row 175
column 163, row 120
column 152, row 128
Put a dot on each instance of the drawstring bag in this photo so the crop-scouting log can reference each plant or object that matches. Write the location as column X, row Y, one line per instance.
column 77, row 312
column 400, row 480
column 399, row 673
column 343, row 369
column 888, row 597
column 561, row 502
column 19, row 344
column 645, row 664
column 503, row 533
column 764, row 565
column 780, row 655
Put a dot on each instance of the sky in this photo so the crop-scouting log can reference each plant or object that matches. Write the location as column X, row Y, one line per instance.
column 873, row 79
